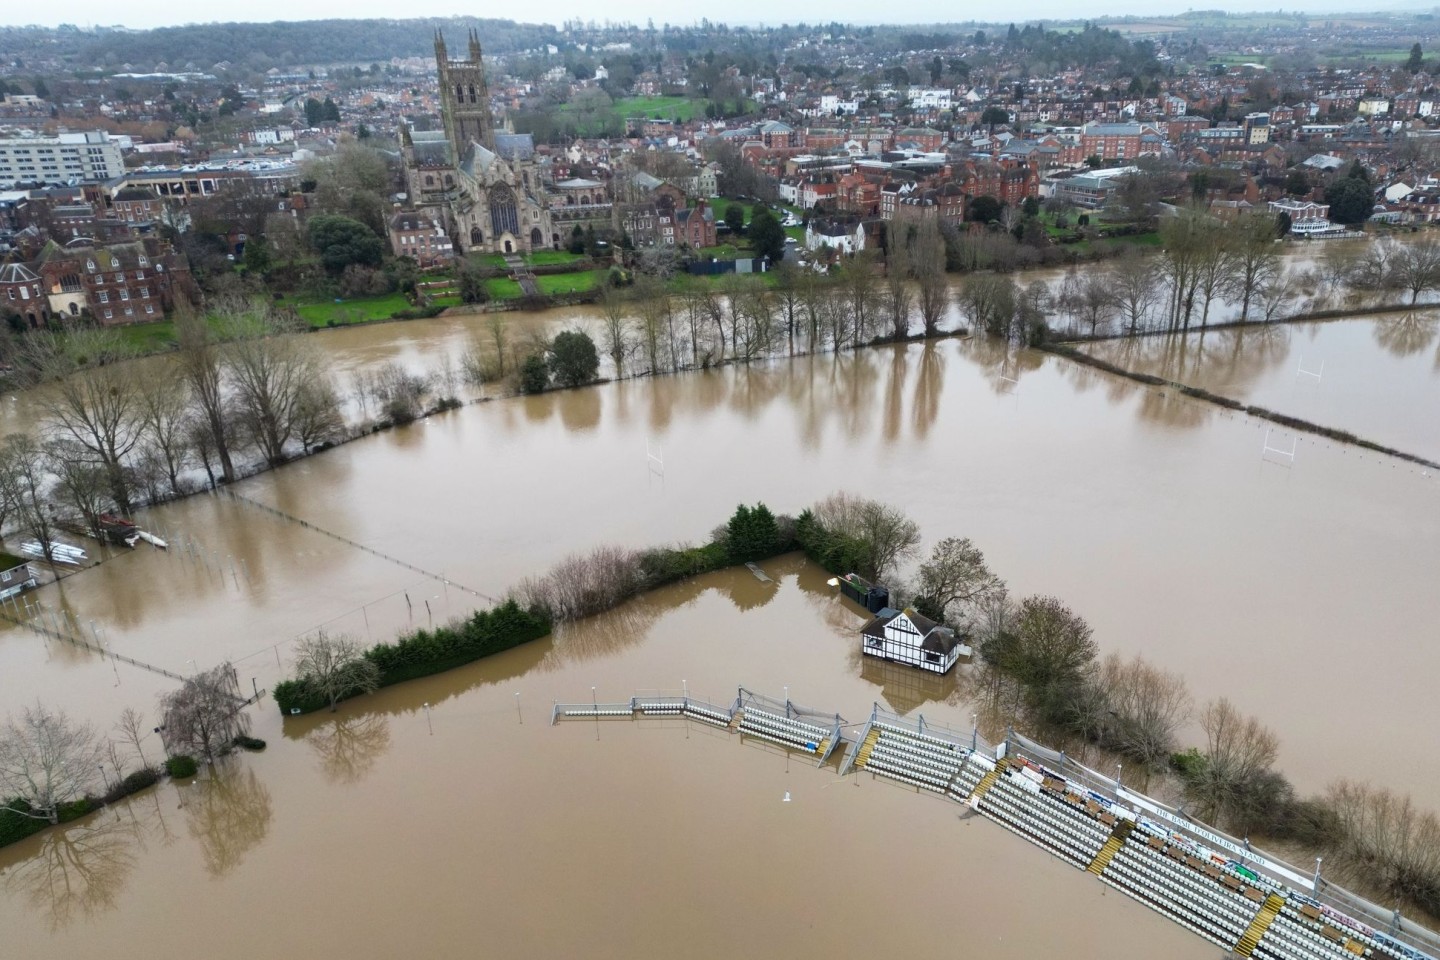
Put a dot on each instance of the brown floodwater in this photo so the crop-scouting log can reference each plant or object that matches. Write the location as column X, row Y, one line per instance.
column 1303, row 592
column 388, row 830
column 1377, row 376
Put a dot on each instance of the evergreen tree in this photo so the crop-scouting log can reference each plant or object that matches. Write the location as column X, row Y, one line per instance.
column 1416, row 60
column 751, row 534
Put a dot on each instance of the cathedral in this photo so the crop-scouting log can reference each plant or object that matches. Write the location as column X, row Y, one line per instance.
column 483, row 184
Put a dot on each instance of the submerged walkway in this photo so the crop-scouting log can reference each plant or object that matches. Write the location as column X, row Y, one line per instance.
column 358, row 546
column 1216, row 886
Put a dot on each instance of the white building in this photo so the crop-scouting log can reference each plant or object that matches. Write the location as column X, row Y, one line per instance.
column 838, row 237
column 834, row 105
column 925, row 98
column 907, row 637
column 82, row 157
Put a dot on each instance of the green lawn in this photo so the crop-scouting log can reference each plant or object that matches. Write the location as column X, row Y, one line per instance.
column 544, row 258
column 148, row 337
column 725, row 251
column 327, row 313
column 569, row 282
column 659, row 108
column 502, row 288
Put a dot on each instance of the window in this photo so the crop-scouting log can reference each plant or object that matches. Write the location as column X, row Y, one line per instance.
column 109, row 314
column 5, row 576
column 124, row 294
column 104, row 296
column 931, row 656
column 149, row 308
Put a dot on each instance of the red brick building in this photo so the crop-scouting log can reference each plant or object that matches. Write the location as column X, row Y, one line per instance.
column 117, row 284
column 22, row 294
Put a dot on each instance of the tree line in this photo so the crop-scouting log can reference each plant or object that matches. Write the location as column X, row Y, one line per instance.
column 243, row 385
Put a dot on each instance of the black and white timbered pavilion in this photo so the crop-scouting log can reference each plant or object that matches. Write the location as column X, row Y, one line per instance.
column 908, row 637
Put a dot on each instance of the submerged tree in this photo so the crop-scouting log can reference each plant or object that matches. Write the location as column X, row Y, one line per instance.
column 205, row 715
column 334, row 667
column 47, row 760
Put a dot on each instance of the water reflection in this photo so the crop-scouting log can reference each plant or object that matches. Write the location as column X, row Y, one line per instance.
column 349, row 744
column 78, row 870
column 1405, row 334
column 229, row 814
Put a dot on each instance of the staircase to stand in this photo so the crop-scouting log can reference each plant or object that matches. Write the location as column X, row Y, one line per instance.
column 1112, row 847
column 1251, row 937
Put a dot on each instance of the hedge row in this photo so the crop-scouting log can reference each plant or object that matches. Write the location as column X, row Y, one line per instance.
column 426, row 652
column 16, row 824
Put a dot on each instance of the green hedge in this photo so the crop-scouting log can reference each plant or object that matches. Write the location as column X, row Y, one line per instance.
column 838, row 554
column 180, row 766
column 16, row 824
column 426, row 652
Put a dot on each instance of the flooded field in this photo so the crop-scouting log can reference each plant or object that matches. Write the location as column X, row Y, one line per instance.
column 1293, row 590
column 1377, row 377
column 484, row 828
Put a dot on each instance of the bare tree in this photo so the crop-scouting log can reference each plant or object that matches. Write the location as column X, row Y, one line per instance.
column 25, row 482
column 1093, row 300
column 1147, row 706
column 275, row 374
column 614, row 315
column 202, row 371
column 82, row 484
column 1255, row 260
column 1387, row 842
column 583, row 584
column 95, row 402
column 955, row 580
column 990, row 300
column 204, row 716
column 899, row 297
column 47, row 760
column 1239, row 754
column 1135, row 281
column 349, row 745
column 928, row 266
column 1416, row 266
column 133, row 730
column 495, row 323
column 334, row 666
column 164, row 410
column 862, row 291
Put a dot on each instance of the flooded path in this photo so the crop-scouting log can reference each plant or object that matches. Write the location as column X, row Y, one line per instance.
column 1377, row 377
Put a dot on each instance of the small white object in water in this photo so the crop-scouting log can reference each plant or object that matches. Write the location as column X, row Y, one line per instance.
column 787, row 797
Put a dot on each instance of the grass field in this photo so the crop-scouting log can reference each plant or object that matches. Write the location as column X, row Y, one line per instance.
column 327, row 313
column 502, row 288
column 148, row 337
column 659, row 108
column 569, row 282
column 545, row 258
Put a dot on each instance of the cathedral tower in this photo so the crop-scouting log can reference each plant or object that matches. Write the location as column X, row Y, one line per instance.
column 464, row 97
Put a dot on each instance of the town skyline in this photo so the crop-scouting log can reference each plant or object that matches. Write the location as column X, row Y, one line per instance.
column 742, row 13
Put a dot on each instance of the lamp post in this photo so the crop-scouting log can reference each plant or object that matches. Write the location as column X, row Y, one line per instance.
column 427, row 718
column 974, row 731
column 104, row 779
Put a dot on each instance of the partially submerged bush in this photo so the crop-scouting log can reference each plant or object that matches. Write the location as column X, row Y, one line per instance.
column 181, row 766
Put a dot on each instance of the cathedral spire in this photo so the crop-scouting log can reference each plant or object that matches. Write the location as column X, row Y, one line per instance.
column 475, row 54
column 440, row 57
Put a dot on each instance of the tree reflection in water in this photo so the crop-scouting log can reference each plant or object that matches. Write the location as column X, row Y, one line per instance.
column 229, row 814
column 78, row 870
column 1405, row 334
column 349, row 744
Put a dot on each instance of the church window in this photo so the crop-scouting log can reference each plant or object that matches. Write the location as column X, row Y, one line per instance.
column 476, row 237
column 472, row 93
column 504, row 217
column 459, row 93
column 429, row 180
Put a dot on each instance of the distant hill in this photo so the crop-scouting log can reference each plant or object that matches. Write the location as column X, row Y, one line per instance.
column 258, row 46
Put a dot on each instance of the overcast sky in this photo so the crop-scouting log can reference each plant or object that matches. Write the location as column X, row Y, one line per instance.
column 84, row 12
